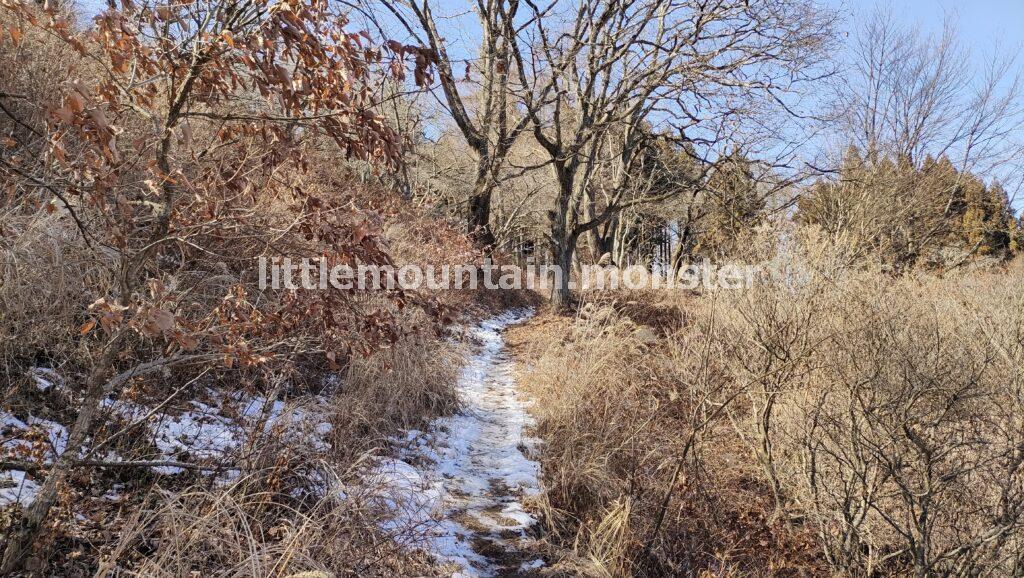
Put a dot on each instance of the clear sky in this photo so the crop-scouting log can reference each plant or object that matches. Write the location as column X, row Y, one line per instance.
column 983, row 26
column 981, row 23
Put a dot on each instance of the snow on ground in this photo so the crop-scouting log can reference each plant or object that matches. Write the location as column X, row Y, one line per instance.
column 455, row 490
column 15, row 485
column 45, row 378
column 202, row 432
column 56, row 434
column 205, row 432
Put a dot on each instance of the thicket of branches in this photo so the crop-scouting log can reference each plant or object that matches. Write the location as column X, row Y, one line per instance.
column 667, row 131
column 844, row 423
column 150, row 156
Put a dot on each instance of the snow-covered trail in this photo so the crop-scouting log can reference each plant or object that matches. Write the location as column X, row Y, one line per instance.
column 459, row 486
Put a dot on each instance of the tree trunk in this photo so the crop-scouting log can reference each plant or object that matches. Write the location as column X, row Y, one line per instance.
column 24, row 534
column 602, row 241
column 561, row 296
column 684, row 244
column 479, row 218
column 598, row 239
column 563, row 237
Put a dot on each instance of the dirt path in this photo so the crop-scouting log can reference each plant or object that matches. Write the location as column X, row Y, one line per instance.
column 471, row 471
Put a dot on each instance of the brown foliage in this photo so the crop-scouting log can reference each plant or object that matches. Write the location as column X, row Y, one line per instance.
column 190, row 140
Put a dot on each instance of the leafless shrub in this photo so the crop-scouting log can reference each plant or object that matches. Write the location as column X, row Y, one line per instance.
column 887, row 411
column 643, row 475
column 829, row 418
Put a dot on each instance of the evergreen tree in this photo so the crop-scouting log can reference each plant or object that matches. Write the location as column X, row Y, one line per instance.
column 1017, row 236
column 901, row 214
column 735, row 205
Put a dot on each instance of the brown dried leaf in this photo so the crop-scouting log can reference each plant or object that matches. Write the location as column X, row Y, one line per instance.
column 75, row 102
column 162, row 319
column 87, row 327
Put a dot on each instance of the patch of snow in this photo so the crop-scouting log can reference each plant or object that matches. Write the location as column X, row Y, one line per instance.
column 205, row 432
column 301, row 423
column 15, row 487
column 8, row 421
column 45, row 378
column 204, row 435
column 115, row 493
column 55, row 432
column 470, row 471
column 202, row 432
column 532, row 565
column 12, row 427
column 410, row 497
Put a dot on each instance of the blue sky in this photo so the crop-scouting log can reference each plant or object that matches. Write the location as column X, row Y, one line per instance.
column 983, row 26
column 981, row 22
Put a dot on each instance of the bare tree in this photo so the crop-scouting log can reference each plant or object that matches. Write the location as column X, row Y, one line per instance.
column 908, row 96
column 494, row 126
column 597, row 77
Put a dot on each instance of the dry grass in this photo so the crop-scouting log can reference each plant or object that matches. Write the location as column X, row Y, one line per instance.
column 238, row 531
column 44, row 272
column 397, row 388
column 616, row 411
column 811, row 423
column 269, row 522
